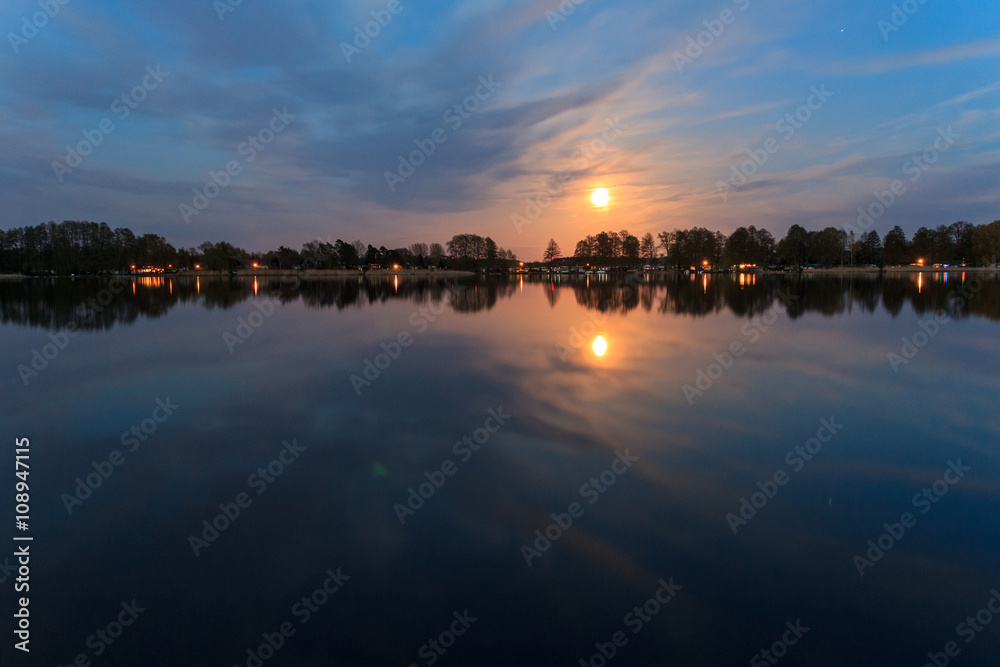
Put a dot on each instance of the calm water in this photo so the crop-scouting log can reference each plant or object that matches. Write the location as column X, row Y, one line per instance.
column 489, row 399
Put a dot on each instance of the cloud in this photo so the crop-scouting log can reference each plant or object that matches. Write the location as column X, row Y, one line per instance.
column 940, row 56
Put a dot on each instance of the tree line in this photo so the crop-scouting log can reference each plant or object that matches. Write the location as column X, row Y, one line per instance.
column 958, row 243
column 82, row 247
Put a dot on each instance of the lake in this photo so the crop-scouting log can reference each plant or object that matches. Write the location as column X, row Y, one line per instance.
column 610, row 469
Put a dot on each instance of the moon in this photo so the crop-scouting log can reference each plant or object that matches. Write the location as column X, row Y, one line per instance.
column 600, row 197
column 600, row 346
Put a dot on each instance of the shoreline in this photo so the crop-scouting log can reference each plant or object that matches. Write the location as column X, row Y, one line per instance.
column 265, row 273
column 341, row 273
column 896, row 269
column 455, row 273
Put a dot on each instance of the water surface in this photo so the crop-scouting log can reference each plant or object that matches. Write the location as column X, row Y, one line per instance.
column 488, row 397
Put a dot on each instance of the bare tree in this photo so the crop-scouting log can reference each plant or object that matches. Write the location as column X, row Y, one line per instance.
column 552, row 252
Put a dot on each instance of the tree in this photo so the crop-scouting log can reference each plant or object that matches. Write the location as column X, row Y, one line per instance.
column 986, row 243
column 491, row 251
column 792, row 248
column 826, row 247
column 467, row 246
column 603, row 249
column 153, row 250
column 436, row 253
column 347, row 255
column 871, row 249
column 287, row 258
column 895, row 248
column 944, row 246
column 552, row 251
column 924, row 245
column 220, row 256
column 616, row 245
column 418, row 249
column 647, row 247
column 630, row 249
column 961, row 238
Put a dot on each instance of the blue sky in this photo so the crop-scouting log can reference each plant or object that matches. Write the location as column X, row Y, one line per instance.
column 601, row 95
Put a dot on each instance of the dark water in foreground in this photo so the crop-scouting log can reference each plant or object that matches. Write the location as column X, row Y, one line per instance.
column 321, row 411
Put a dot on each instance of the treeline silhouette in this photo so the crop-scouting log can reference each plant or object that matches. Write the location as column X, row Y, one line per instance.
column 958, row 243
column 99, row 303
column 84, row 248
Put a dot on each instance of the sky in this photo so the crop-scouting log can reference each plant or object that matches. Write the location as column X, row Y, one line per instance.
column 401, row 121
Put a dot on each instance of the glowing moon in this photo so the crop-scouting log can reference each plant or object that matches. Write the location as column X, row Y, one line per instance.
column 600, row 346
column 600, row 197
